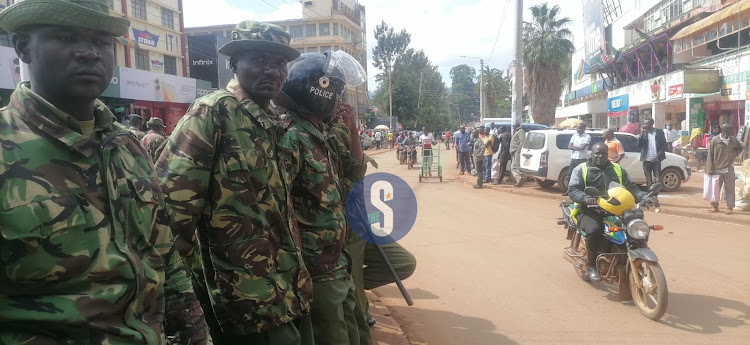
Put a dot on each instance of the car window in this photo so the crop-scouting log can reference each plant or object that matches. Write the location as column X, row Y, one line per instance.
column 595, row 138
column 629, row 143
column 534, row 141
column 563, row 140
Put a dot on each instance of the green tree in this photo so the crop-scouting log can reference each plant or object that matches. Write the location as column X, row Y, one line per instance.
column 390, row 45
column 546, row 47
column 496, row 93
column 464, row 96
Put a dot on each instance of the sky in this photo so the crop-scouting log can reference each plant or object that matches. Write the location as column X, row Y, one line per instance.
column 444, row 29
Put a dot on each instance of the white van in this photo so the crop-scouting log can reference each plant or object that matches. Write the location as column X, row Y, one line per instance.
column 546, row 157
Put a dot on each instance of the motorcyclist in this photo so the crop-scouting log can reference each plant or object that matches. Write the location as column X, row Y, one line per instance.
column 598, row 172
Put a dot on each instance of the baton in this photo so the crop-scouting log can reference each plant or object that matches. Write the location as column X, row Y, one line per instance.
column 400, row 285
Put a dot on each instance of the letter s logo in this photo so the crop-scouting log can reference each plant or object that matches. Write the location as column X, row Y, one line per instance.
column 387, row 189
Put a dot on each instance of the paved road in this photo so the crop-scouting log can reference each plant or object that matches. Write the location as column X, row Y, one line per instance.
column 490, row 271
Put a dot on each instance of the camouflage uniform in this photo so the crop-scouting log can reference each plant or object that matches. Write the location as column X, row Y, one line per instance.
column 151, row 142
column 319, row 209
column 86, row 255
column 137, row 133
column 231, row 216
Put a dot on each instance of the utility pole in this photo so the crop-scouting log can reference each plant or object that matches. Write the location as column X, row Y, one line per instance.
column 419, row 96
column 481, row 90
column 390, row 99
column 517, row 93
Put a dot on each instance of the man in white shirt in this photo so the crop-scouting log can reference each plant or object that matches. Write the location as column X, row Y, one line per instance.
column 378, row 139
column 427, row 139
column 579, row 146
column 672, row 136
column 653, row 144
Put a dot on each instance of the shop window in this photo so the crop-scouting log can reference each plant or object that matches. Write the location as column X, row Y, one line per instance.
column 312, row 49
column 325, row 29
column 311, row 30
column 139, row 9
column 295, row 31
column 170, row 65
column 167, row 18
column 141, row 59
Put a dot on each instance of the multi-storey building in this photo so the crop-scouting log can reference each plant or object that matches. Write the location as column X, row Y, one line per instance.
column 325, row 25
column 151, row 74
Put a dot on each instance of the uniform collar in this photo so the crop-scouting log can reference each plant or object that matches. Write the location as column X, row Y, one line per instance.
column 56, row 123
column 307, row 125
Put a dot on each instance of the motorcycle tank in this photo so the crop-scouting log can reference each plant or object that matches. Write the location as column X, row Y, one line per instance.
column 613, row 230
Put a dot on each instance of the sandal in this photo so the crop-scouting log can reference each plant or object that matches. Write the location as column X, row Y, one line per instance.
column 729, row 212
column 713, row 210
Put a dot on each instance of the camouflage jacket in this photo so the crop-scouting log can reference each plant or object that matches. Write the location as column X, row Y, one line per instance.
column 316, row 195
column 86, row 256
column 151, row 141
column 137, row 133
column 231, row 213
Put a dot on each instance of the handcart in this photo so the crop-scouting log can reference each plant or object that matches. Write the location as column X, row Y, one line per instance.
column 431, row 164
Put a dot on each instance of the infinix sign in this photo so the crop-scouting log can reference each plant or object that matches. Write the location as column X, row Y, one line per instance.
column 203, row 62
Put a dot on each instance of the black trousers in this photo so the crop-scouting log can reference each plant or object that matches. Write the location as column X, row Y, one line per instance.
column 504, row 159
column 480, row 171
column 591, row 224
column 465, row 161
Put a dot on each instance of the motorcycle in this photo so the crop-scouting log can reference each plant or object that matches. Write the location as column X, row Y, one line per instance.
column 625, row 261
column 409, row 156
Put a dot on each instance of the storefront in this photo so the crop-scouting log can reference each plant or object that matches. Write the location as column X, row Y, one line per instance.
column 594, row 113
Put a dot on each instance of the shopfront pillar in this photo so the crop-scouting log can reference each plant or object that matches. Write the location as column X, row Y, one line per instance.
column 658, row 113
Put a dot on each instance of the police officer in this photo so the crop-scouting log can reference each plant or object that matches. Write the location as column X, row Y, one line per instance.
column 229, row 203
column 85, row 258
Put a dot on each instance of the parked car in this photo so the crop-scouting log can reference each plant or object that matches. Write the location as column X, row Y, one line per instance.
column 546, row 157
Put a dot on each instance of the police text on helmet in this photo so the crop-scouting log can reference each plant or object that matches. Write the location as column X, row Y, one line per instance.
column 321, row 93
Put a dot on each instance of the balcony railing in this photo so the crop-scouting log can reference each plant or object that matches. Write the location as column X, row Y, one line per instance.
column 339, row 8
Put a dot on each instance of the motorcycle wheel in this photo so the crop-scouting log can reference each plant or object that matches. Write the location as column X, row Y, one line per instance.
column 648, row 285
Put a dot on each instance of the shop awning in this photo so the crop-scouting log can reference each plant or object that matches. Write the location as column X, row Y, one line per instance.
column 590, row 107
column 714, row 19
column 127, row 42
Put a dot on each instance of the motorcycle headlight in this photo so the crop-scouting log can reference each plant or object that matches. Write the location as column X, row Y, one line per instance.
column 638, row 229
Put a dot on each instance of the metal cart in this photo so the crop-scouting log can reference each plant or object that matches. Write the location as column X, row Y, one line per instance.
column 431, row 167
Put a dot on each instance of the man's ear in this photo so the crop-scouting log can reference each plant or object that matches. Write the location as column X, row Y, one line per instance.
column 233, row 64
column 21, row 44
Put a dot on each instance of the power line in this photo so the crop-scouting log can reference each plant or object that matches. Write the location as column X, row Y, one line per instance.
column 499, row 29
column 269, row 4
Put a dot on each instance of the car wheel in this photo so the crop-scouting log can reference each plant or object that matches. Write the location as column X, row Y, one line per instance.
column 562, row 180
column 671, row 179
column 545, row 183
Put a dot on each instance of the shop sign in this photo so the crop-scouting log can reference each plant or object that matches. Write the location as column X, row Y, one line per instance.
column 113, row 90
column 701, row 81
column 657, row 89
column 617, row 106
column 719, row 106
column 203, row 88
column 156, row 64
column 145, row 37
column 695, row 108
column 147, row 86
column 675, row 91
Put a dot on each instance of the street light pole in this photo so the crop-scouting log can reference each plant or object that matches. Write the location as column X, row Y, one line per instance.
column 481, row 86
column 518, row 68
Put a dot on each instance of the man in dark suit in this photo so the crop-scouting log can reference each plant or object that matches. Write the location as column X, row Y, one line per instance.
column 653, row 144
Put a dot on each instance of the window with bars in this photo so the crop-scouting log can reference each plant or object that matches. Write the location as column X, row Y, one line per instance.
column 141, row 59
column 325, row 29
column 6, row 40
column 335, row 29
column 311, row 30
column 167, row 18
column 139, row 9
column 312, row 49
column 170, row 42
column 295, row 31
column 170, row 65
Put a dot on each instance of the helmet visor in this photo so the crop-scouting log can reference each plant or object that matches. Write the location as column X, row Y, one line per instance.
column 346, row 68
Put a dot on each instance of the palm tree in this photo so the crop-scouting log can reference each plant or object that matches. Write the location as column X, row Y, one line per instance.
column 546, row 47
column 493, row 86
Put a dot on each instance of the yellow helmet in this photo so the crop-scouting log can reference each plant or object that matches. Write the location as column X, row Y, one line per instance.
column 618, row 201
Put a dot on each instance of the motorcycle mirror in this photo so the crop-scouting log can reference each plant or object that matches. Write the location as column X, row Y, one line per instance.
column 592, row 192
column 655, row 187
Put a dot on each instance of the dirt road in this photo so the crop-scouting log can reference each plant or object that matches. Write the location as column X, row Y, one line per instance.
column 490, row 271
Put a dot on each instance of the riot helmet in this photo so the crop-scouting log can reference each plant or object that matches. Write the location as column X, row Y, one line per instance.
column 316, row 80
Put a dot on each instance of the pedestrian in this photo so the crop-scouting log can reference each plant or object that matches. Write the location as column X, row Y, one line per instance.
column 672, row 136
column 427, row 140
column 447, row 138
column 86, row 255
column 505, row 155
column 390, row 139
column 493, row 129
column 653, row 146
column 229, row 200
column 579, row 146
column 489, row 141
column 722, row 152
column 616, row 153
column 316, row 196
column 464, row 150
column 478, row 153
column 135, row 125
column 154, row 138
column 378, row 140
column 516, row 143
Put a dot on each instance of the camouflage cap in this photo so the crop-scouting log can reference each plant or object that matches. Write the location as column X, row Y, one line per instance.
column 251, row 35
column 155, row 121
column 87, row 14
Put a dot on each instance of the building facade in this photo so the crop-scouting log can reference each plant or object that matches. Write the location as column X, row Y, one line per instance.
column 150, row 77
column 324, row 25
